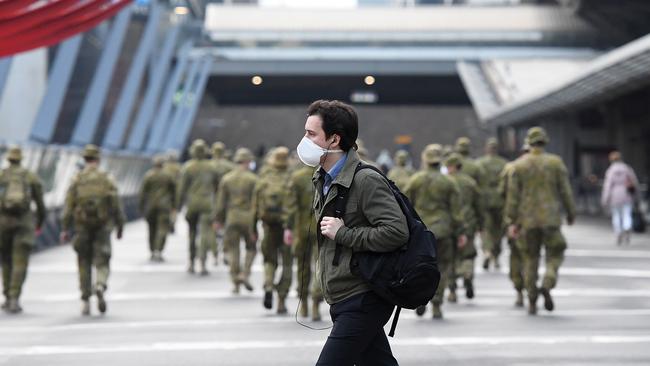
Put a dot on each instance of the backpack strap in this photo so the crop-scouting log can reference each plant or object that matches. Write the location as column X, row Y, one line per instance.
column 339, row 211
column 394, row 324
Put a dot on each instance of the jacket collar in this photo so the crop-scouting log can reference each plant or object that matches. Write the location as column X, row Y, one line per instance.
column 346, row 175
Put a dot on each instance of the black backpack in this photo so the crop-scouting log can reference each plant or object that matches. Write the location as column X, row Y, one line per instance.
column 407, row 277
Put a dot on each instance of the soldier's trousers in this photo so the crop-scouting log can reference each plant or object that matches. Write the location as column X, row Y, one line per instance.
column 273, row 247
column 516, row 264
column 304, row 249
column 159, row 225
column 445, row 258
column 233, row 233
column 200, row 223
column 554, row 244
column 463, row 262
column 493, row 232
column 16, row 243
column 93, row 247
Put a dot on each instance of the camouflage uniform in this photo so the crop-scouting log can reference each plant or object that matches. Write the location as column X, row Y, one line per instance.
column 235, row 211
column 492, row 165
column 199, row 184
column 537, row 191
column 471, row 209
column 173, row 168
column 436, row 198
column 268, row 201
column 299, row 219
column 93, row 209
column 157, row 198
column 18, row 188
column 400, row 173
column 223, row 166
column 470, row 167
column 516, row 258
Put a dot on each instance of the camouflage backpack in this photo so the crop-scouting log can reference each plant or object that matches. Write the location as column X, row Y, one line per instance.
column 14, row 192
column 272, row 201
column 92, row 199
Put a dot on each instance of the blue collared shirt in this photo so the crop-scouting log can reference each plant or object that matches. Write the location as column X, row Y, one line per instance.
column 333, row 173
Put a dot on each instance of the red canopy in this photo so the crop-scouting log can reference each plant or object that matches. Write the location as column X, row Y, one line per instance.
column 30, row 24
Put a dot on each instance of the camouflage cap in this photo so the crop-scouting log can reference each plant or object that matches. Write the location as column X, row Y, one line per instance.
column 198, row 149
column 280, row 157
column 537, row 135
column 401, row 156
column 243, row 154
column 463, row 144
column 218, row 148
column 492, row 143
column 14, row 153
column 158, row 160
column 454, row 159
column 432, row 154
column 91, row 152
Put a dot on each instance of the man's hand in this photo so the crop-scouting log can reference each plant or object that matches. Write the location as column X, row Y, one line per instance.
column 119, row 232
column 513, row 231
column 288, row 237
column 64, row 237
column 462, row 241
column 329, row 226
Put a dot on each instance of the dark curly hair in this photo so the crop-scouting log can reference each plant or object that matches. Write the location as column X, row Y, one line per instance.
column 338, row 118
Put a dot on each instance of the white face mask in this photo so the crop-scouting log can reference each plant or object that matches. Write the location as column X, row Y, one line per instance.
column 310, row 153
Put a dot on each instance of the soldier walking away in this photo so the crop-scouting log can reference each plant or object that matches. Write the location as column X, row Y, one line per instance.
column 492, row 165
column 157, row 199
column 538, row 190
column 234, row 211
column 92, row 208
column 18, row 225
column 223, row 166
column 470, row 167
column 298, row 221
column 198, row 187
column 620, row 190
column 401, row 173
column 268, row 203
column 464, row 253
column 436, row 197
column 173, row 168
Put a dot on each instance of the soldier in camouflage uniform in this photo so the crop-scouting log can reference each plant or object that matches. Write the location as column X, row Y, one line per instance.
column 298, row 221
column 92, row 208
column 223, row 166
column 436, row 198
column 470, row 167
column 268, row 203
column 471, row 208
column 157, row 198
column 198, row 187
column 492, row 164
column 401, row 173
column 516, row 257
column 538, row 189
column 173, row 168
column 235, row 213
column 18, row 225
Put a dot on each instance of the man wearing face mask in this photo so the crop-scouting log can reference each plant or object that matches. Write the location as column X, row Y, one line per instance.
column 373, row 221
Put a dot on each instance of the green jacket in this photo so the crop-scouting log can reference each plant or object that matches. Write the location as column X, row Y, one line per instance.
column 235, row 198
column 158, row 191
column 538, row 190
column 73, row 210
column 373, row 222
column 198, row 187
column 492, row 166
column 436, row 198
column 34, row 188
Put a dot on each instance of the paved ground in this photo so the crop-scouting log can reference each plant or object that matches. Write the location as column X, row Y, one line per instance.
column 160, row 315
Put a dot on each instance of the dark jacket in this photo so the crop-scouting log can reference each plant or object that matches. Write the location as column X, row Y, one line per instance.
column 373, row 222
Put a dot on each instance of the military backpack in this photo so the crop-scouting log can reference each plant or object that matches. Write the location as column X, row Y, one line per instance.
column 92, row 197
column 272, row 201
column 14, row 192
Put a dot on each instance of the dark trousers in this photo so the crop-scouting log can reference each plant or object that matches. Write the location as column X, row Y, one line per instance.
column 358, row 337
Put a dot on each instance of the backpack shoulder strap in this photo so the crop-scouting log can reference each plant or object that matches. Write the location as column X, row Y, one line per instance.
column 394, row 323
column 340, row 202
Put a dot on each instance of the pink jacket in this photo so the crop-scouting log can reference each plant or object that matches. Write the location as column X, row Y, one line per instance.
column 617, row 179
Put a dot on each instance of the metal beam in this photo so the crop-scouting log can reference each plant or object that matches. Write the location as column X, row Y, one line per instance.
column 181, row 105
column 5, row 65
column 121, row 115
column 161, row 119
column 93, row 105
column 57, row 87
column 145, row 113
column 197, row 94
